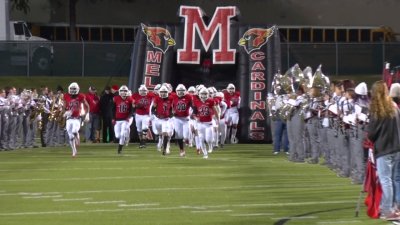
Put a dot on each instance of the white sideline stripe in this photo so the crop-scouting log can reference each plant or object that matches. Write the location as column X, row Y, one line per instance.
column 105, row 202
column 115, row 168
column 44, row 196
column 296, row 203
column 153, row 209
column 139, row 204
column 339, row 222
column 254, row 214
column 169, row 189
column 71, row 199
column 295, row 218
column 145, row 177
column 212, row 211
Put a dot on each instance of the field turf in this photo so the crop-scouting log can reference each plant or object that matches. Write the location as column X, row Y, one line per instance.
column 242, row 184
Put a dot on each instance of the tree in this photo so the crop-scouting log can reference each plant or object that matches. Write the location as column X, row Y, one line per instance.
column 21, row 5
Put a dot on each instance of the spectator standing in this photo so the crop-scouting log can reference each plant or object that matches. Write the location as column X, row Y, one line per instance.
column 92, row 129
column 106, row 104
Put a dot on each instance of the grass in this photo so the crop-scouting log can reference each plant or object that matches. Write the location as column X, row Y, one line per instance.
column 240, row 185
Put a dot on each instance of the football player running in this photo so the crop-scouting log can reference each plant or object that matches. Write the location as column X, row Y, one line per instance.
column 205, row 111
column 181, row 105
column 232, row 99
column 122, row 111
column 72, row 108
column 141, row 104
column 162, row 106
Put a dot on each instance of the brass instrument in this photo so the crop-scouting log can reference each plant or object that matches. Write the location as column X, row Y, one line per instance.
column 60, row 112
column 52, row 112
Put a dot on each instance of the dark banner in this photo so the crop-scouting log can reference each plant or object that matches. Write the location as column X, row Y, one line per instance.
column 213, row 51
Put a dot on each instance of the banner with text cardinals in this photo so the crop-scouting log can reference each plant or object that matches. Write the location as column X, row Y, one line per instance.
column 212, row 50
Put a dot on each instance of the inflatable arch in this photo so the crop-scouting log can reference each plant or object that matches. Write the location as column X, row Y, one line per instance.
column 213, row 51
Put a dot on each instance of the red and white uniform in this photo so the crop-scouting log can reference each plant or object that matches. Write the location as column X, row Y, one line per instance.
column 73, row 104
column 181, row 108
column 142, row 106
column 123, row 118
column 204, row 113
column 163, row 114
column 233, row 104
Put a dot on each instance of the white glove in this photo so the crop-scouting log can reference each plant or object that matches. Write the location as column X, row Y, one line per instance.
column 87, row 119
column 68, row 113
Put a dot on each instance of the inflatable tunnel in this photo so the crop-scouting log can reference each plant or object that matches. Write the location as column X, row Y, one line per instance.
column 212, row 51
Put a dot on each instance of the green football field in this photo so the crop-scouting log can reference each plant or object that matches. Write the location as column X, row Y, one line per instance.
column 241, row 184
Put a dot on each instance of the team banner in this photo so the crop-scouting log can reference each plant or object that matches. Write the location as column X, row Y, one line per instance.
column 214, row 51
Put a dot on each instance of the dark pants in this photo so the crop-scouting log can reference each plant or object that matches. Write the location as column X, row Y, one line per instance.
column 108, row 129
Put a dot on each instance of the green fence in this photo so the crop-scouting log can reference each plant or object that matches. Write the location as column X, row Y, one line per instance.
column 113, row 59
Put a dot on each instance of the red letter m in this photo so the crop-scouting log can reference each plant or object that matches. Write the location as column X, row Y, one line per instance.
column 194, row 22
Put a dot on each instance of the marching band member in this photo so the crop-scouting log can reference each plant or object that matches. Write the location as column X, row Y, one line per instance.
column 122, row 111
column 72, row 108
column 360, row 114
column 346, row 107
column 4, row 107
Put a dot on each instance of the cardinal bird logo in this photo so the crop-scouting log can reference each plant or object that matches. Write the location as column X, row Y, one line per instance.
column 255, row 38
column 159, row 37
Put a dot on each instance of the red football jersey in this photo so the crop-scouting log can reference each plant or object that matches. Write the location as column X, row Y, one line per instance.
column 232, row 100
column 164, row 106
column 142, row 104
column 123, row 107
column 181, row 105
column 204, row 110
column 74, row 103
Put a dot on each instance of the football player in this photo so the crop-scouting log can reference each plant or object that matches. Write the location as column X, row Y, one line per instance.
column 205, row 111
column 122, row 111
column 72, row 108
column 181, row 105
column 232, row 99
column 162, row 104
column 141, row 104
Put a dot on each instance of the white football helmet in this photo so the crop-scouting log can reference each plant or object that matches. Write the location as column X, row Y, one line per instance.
column 191, row 90
column 198, row 88
column 180, row 90
column 231, row 88
column 163, row 92
column 157, row 88
column 123, row 91
column 211, row 92
column 143, row 90
column 73, row 88
column 168, row 86
column 203, row 94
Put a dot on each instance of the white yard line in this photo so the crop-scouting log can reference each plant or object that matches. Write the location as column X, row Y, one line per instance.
column 112, row 168
column 253, row 214
column 168, row 189
column 295, row 218
column 174, row 208
column 139, row 204
column 42, row 196
column 105, row 202
column 339, row 222
column 70, row 199
column 211, row 211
